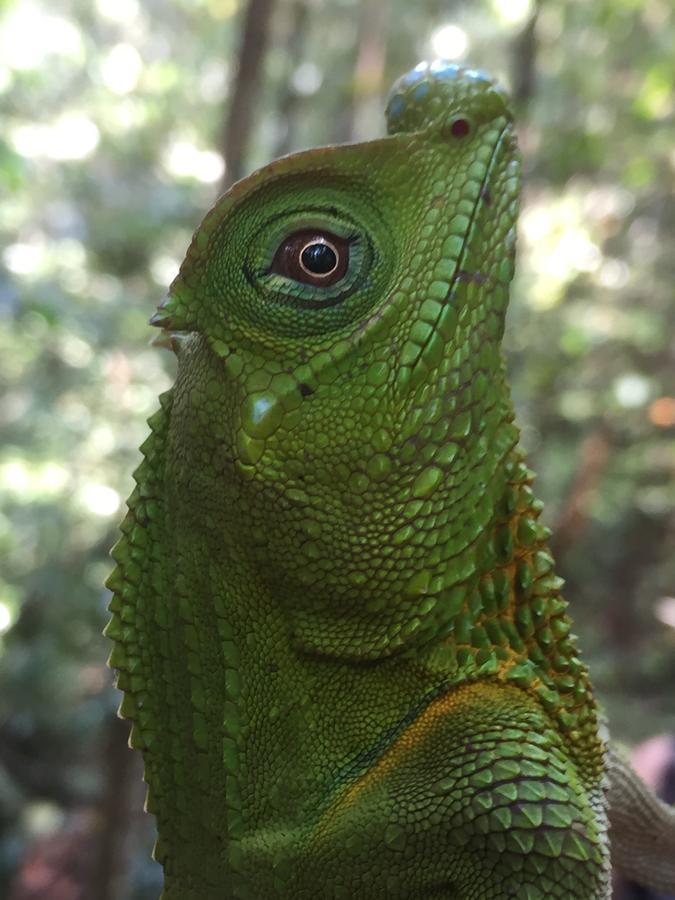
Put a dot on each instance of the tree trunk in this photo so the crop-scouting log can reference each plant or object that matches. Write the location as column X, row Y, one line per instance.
column 369, row 71
column 289, row 98
column 524, row 55
column 123, row 771
column 245, row 90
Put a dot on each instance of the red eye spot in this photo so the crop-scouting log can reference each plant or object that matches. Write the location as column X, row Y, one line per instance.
column 460, row 128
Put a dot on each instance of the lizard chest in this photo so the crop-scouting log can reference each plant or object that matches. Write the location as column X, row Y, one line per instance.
column 472, row 792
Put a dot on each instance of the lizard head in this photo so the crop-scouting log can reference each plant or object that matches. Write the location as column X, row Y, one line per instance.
column 340, row 408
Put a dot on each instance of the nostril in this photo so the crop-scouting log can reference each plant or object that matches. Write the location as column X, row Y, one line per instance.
column 459, row 128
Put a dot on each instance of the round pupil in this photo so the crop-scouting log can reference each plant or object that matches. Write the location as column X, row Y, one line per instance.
column 320, row 259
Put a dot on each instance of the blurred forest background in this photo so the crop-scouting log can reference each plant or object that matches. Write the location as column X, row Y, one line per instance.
column 121, row 120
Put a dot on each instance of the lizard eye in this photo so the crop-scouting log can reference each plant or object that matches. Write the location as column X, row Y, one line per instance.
column 314, row 268
column 312, row 257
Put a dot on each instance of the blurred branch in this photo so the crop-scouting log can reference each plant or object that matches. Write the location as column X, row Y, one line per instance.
column 288, row 104
column 37, row 777
column 369, row 69
column 117, row 807
column 245, row 91
column 523, row 59
column 594, row 456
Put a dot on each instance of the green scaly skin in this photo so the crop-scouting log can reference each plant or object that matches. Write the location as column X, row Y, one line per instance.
column 336, row 620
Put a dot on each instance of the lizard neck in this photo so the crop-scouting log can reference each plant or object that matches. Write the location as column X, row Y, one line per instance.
column 248, row 683
column 444, row 568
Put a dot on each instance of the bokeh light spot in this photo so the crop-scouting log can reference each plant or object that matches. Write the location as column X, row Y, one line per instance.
column 450, row 42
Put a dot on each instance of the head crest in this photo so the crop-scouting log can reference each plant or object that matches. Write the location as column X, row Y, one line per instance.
column 432, row 94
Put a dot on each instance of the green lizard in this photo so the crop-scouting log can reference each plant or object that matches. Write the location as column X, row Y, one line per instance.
column 337, row 624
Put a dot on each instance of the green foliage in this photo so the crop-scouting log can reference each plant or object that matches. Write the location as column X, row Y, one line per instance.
column 111, row 116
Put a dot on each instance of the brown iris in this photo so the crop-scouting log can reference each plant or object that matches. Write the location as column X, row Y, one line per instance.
column 312, row 257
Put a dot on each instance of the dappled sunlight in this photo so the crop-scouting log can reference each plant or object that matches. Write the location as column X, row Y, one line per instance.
column 558, row 245
column 6, row 618
column 632, row 390
column 99, row 499
column 183, row 160
column 121, row 68
column 513, row 12
column 31, row 33
column 450, row 42
column 121, row 11
column 73, row 136
column 24, row 259
column 307, row 79
column 164, row 269
column 29, row 481
column 665, row 611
